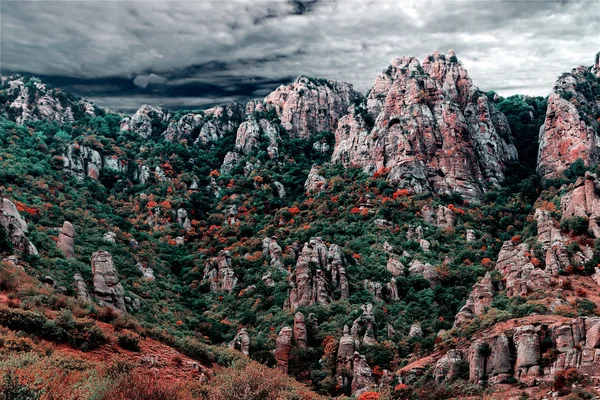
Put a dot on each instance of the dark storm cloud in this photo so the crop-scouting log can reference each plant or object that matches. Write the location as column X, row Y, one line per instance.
column 199, row 53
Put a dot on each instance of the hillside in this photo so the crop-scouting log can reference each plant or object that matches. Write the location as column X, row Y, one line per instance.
column 425, row 240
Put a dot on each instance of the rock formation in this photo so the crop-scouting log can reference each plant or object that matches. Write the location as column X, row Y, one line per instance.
column 433, row 130
column 66, row 238
column 273, row 250
column 31, row 100
column 443, row 217
column 283, row 346
column 470, row 236
column 16, row 228
column 362, row 378
column 447, row 367
column 81, row 287
column 521, row 276
column 314, row 181
column 335, row 265
column 219, row 272
column 426, row 270
column 582, row 200
column 206, row 126
column 415, row 331
column 142, row 122
column 108, row 291
column 300, row 333
column 309, row 106
column 570, row 130
column 363, row 327
column 241, row 342
column 480, row 298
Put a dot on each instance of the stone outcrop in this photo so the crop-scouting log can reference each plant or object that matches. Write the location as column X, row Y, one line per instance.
column 447, row 367
column 141, row 123
column 433, row 130
column 300, row 332
column 570, row 130
column 392, row 290
column 206, row 126
column 480, row 298
column 16, row 228
column 362, row 378
column 426, row 270
column 520, row 275
column 273, row 250
column 470, row 236
column 241, row 342
column 309, row 106
column 108, row 291
column 147, row 272
column 31, row 100
column 415, row 331
column 219, row 272
column 582, row 200
column 81, row 287
column 548, row 231
column 315, row 181
column 363, row 327
column 283, row 346
column 375, row 288
column 308, row 288
column 443, row 217
column 66, row 239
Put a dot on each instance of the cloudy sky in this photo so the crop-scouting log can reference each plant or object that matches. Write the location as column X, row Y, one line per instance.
column 198, row 53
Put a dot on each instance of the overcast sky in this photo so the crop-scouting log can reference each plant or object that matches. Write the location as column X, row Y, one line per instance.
column 199, row 53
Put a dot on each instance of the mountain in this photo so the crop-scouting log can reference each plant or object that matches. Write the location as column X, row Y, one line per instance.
column 395, row 245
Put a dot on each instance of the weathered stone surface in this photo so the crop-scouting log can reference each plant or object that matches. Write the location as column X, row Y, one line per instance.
column 82, row 161
column 16, row 228
column 81, row 287
column 142, row 121
column 426, row 270
column 364, row 325
column 446, row 367
column 433, row 130
column 394, row 265
column 471, row 237
column 66, row 239
column 582, row 200
column 415, row 331
column 392, row 289
column 514, row 262
column 38, row 102
column 300, row 333
column 314, row 181
column 442, row 217
column 527, row 344
column 548, row 231
column 147, row 272
column 425, row 245
column 335, row 264
column 570, row 130
column 362, row 378
column 241, row 342
column 108, row 291
column 206, row 126
column 375, row 288
column 273, row 250
column 480, row 298
column 309, row 106
column 219, row 272
column 283, row 346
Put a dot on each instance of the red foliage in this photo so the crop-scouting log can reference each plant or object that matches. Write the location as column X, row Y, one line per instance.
column 516, row 239
column 486, row 262
column 214, row 173
column 380, row 172
column 294, row 210
column 369, row 396
column 536, row 262
column 355, row 210
column 401, row 193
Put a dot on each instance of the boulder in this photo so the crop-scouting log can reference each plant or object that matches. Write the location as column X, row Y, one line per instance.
column 283, row 346
column 314, row 181
column 108, row 291
column 300, row 333
column 241, row 342
column 66, row 239
column 362, row 378
column 80, row 287
column 16, row 228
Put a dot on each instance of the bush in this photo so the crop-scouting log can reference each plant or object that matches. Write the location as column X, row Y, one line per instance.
column 129, row 342
column 141, row 385
column 12, row 389
column 578, row 225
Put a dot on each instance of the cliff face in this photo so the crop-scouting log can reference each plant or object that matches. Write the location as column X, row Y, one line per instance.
column 433, row 129
column 570, row 130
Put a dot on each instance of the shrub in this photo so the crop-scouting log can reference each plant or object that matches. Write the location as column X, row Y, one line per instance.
column 129, row 342
column 142, row 385
column 12, row 389
column 578, row 225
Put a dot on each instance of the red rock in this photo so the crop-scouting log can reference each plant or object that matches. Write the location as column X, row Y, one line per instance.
column 570, row 130
column 433, row 130
column 300, row 333
column 283, row 347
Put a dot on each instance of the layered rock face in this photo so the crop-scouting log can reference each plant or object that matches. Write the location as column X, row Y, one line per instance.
column 352, row 368
column 206, row 126
column 307, row 288
column 273, row 250
column 433, row 130
column 309, row 106
column 570, row 130
column 108, row 291
column 518, row 352
column 81, row 287
column 300, row 333
column 141, row 123
column 241, row 342
column 582, row 200
column 66, row 239
column 219, row 272
column 522, row 277
column 283, row 347
column 31, row 100
column 16, row 228
column 481, row 297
